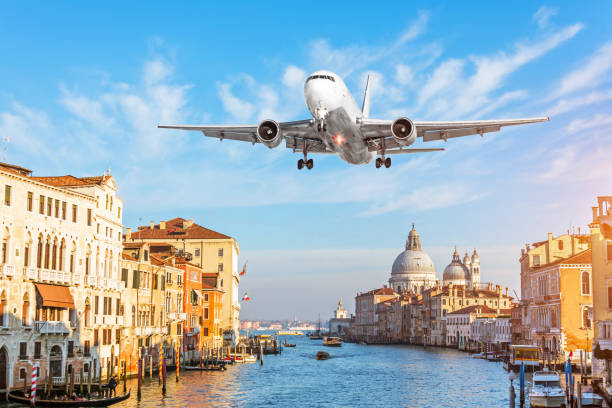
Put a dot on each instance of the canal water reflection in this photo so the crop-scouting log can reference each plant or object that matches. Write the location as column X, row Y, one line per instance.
column 356, row 375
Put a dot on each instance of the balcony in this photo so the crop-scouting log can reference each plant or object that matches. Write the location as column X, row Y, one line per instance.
column 144, row 292
column 110, row 320
column 171, row 316
column 164, row 330
column 121, row 285
column 92, row 280
column 98, row 320
column 52, row 327
column 181, row 316
column 7, row 270
column 119, row 320
column 31, row 273
column 76, row 279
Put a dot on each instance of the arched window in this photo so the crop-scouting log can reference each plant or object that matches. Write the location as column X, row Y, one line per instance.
column 39, row 256
column 54, row 255
column 87, row 312
column 586, row 322
column 586, row 283
column 133, row 316
column 25, row 310
column 560, row 245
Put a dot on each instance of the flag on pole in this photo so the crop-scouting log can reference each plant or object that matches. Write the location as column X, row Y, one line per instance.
column 243, row 271
column 246, row 297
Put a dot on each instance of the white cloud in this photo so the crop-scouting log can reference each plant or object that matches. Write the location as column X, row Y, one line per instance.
column 543, row 15
column 575, row 102
column 589, row 74
column 294, row 77
column 85, row 108
column 597, row 121
column 404, row 75
column 239, row 109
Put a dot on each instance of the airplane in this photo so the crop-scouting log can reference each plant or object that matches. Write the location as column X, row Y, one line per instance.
column 339, row 127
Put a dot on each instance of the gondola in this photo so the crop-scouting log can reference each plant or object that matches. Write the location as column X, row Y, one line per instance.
column 18, row 397
column 206, row 368
column 322, row 355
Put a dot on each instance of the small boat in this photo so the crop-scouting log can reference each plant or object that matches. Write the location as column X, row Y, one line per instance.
column 18, row 397
column 479, row 355
column 315, row 336
column 289, row 333
column 285, row 344
column 248, row 358
column 332, row 341
column 589, row 398
column 546, row 390
column 322, row 355
column 205, row 368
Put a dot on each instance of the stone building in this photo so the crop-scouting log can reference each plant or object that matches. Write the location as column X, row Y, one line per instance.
column 60, row 289
column 556, row 288
column 601, row 239
column 365, row 326
column 465, row 273
column 340, row 322
column 209, row 250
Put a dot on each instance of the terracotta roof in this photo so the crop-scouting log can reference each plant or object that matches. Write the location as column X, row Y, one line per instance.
column 70, row 181
column 13, row 168
column 174, row 230
column 584, row 257
column 385, row 291
column 475, row 309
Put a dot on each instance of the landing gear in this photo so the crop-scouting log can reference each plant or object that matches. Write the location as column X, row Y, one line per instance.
column 322, row 127
column 309, row 164
column 382, row 161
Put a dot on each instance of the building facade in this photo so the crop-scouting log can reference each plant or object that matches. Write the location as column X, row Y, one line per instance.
column 208, row 250
column 60, row 289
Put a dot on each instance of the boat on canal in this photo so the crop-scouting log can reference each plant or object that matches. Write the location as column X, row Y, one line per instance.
column 289, row 333
column 546, row 390
column 332, row 341
column 590, row 398
column 19, row 397
column 525, row 354
column 322, row 355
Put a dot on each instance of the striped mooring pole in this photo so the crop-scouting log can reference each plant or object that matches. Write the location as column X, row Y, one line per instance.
column 159, row 366
column 33, row 388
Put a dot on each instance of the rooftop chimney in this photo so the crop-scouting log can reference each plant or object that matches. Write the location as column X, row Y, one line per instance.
column 162, row 225
column 128, row 234
column 152, row 225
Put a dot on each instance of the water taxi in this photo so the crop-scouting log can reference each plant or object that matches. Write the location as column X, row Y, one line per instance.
column 332, row 341
column 546, row 390
column 289, row 333
column 524, row 354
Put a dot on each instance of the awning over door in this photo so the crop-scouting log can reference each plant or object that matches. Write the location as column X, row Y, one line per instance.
column 55, row 295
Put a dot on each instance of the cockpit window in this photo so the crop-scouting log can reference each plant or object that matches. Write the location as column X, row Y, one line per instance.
column 329, row 77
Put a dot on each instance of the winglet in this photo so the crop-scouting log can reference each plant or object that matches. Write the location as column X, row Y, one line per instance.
column 365, row 109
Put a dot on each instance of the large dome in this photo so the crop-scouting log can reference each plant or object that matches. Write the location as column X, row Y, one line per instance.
column 413, row 269
column 456, row 272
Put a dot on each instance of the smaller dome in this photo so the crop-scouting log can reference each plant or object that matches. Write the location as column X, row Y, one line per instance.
column 466, row 259
column 456, row 272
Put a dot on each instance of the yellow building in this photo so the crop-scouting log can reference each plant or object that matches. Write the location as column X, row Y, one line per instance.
column 601, row 238
column 212, row 251
column 556, row 294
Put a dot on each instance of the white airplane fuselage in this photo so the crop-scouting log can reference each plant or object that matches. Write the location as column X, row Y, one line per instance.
column 335, row 113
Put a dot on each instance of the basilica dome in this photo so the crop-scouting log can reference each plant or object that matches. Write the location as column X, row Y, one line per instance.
column 413, row 269
column 456, row 272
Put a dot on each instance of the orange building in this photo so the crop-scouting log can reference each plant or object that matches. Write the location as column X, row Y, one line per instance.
column 212, row 330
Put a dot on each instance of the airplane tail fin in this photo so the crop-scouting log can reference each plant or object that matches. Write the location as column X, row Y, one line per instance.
column 365, row 109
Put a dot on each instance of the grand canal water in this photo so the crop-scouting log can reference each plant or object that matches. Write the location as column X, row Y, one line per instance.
column 356, row 375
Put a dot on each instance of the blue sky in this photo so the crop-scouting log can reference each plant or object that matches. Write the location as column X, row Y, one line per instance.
column 84, row 85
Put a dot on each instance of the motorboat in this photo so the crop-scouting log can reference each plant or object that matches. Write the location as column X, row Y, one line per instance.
column 546, row 390
column 527, row 355
column 332, row 341
column 479, row 355
column 590, row 398
column 322, row 355
column 19, row 397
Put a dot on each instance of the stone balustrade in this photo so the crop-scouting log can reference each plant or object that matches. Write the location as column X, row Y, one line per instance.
column 52, row 327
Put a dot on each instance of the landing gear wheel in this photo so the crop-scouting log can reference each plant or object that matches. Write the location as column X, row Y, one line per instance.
column 324, row 127
column 378, row 162
column 309, row 164
column 300, row 164
column 388, row 162
column 319, row 127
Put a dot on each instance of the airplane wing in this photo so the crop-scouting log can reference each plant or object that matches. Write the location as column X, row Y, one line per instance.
column 377, row 131
column 298, row 134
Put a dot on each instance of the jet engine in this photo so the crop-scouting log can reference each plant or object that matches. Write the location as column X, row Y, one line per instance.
column 269, row 134
column 404, row 132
